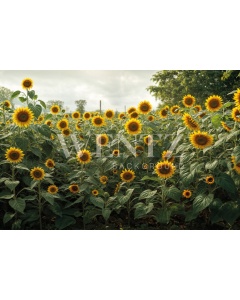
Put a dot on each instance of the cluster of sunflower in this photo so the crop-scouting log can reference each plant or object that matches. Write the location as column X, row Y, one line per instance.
column 59, row 168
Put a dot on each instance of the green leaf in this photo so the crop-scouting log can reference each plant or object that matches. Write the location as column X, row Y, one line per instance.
column 11, row 184
column 18, row 204
column 174, row 193
column 48, row 197
column 21, row 167
column 64, row 222
column 163, row 215
column 216, row 120
column 15, row 94
column 232, row 134
column 150, row 178
column 230, row 211
column 21, row 143
column 36, row 152
column 123, row 199
column 6, row 197
column 97, row 201
column 56, row 208
column 141, row 209
column 106, row 212
column 211, row 165
column 201, row 202
column 22, row 99
column 31, row 94
column 226, row 182
column 228, row 104
column 43, row 104
column 45, row 130
column 7, row 217
column 147, row 194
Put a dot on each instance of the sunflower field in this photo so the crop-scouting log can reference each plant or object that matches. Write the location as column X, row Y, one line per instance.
column 176, row 168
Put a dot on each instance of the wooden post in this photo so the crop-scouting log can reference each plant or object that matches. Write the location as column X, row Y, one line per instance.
column 100, row 107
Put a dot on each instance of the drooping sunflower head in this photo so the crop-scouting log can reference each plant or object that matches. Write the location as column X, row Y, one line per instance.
column 22, row 116
column 187, row 194
column 6, row 104
column 134, row 115
column 49, row 123
column 201, row 140
column 103, row 179
column 37, row 173
column 76, row 115
column 213, row 103
column 167, row 155
column 133, row 126
column 236, row 165
column 175, row 110
column 102, row 139
column 95, row 192
column 66, row 132
column 115, row 152
column 55, row 109
column 62, row 124
column 14, row 155
column 27, row 83
column 86, row 115
column 52, row 189
column 40, row 118
column 188, row 100
column 139, row 150
column 98, row 121
column 50, row 163
column 151, row 118
column 209, row 179
column 236, row 97
column 197, row 108
column 163, row 113
column 144, row 107
column 74, row 188
column 236, row 114
column 131, row 110
column 190, row 123
column 117, row 188
column 148, row 140
column 84, row 156
column 78, row 127
column 127, row 175
column 165, row 169
column 109, row 114
column 225, row 126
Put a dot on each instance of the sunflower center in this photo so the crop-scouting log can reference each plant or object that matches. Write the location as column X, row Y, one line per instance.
column 164, row 112
column 210, row 179
column 37, row 174
column 192, row 123
column 131, row 110
column 109, row 114
column 127, row 176
column 27, row 83
column 98, row 121
column 188, row 101
column 133, row 126
column 84, row 156
column 164, row 169
column 63, row 124
column 75, row 115
column 214, row 103
column 50, row 164
column 53, row 189
column 23, row 116
column 201, row 140
column 102, row 140
column 14, row 155
column 75, row 188
column 134, row 114
column 55, row 109
column 144, row 107
column 238, row 165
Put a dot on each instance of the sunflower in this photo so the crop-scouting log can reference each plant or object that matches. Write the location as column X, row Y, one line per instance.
column 148, row 140
column 213, row 103
column 109, row 114
column 7, row 104
column 76, row 115
column 209, row 179
column 117, row 188
column 62, row 124
column 55, row 109
column 151, row 118
column 22, row 116
column 98, row 121
column 190, row 123
column 133, row 126
column 139, row 150
column 145, row 166
column 188, row 100
column 236, row 97
column 144, row 107
column 175, row 110
column 102, row 139
column 165, row 169
column 167, row 155
column 14, row 155
column 236, row 114
column 236, row 166
column 187, row 194
column 225, row 126
column 27, row 83
column 131, row 109
column 115, row 152
column 103, row 179
column 95, row 192
column 78, row 126
column 84, row 156
column 134, row 115
column 86, row 116
column 66, row 132
column 127, row 175
column 74, row 188
column 121, row 116
column 49, row 123
column 40, row 118
column 115, row 171
column 197, row 108
column 201, row 140
column 50, row 163
column 52, row 189
column 163, row 113
column 66, row 116
column 37, row 173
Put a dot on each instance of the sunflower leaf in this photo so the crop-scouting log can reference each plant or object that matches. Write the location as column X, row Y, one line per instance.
column 15, row 94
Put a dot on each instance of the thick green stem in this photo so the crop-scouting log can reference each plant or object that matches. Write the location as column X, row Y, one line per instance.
column 40, row 205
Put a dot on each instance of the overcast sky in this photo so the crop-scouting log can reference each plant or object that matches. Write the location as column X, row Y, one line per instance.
column 116, row 89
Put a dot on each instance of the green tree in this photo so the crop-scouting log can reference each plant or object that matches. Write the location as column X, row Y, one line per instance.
column 171, row 86
column 5, row 94
column 54, row 102
column 81, row 105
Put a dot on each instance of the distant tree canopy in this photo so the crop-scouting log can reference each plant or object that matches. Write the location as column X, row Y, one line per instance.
column 80, row 104
column 5, row 94
column 171, row 86
column 54, row 102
